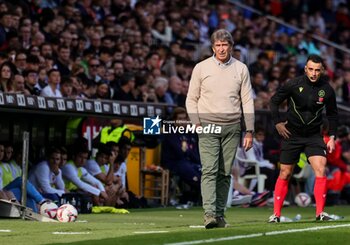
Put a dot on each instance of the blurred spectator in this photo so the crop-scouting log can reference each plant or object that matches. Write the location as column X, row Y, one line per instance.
column 346, row 86
column 309, row 45
column 25, row 36
column 161, row 85
column 93, row 65
column 31, row 80
column 102, row 91
column 261, row 65
column 5, row 28
column 63, row 62
column 66, row 87
column 256, row 153
column 180, row 153
column 6, row 74
column 33, row 62
column 21, row 61
column 127, row 85
column 46, row 49
column 18, row 85
column 161, row 31
column 174, row 90
column 53, row 82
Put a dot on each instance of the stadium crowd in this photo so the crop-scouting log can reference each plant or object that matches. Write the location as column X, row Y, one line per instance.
column 145, row 50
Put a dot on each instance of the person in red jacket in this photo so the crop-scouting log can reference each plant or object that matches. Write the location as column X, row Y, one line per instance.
column 339, row 175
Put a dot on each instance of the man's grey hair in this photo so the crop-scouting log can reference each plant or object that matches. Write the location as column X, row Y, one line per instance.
column 221, row 35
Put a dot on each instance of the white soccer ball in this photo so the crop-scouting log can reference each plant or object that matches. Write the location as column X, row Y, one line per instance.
column 302, row 199
column 67, row 213
column 49, row 209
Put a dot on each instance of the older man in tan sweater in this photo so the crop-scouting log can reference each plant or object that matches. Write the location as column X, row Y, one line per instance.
column 219, row 90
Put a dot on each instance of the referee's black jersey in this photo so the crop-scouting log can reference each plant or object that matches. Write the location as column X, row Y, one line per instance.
column 306, row 101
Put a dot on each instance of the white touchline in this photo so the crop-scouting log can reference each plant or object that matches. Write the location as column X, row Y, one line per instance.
column 70, row 233
column 197, row 226
column 149, row 232
column 5, row 231
column 271, row 233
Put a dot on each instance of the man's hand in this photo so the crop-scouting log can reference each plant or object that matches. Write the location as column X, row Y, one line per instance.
column 104, row 195
column 282, row 130
column 55, row 169
column 248, row 141
column 331, row 145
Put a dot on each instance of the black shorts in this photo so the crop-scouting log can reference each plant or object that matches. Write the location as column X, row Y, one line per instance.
column 292, row 147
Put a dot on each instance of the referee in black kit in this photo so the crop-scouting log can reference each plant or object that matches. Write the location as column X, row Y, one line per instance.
column 307, row 96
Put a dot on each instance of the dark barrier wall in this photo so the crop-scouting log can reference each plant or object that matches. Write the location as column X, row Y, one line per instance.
column 46, row 118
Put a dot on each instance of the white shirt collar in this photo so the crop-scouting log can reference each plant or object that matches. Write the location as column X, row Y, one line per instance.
column 219, row 63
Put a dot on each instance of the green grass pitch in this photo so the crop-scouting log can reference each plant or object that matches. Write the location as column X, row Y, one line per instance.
column 169, row 225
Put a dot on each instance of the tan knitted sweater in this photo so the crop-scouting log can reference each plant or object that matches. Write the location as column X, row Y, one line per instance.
column 218, row 92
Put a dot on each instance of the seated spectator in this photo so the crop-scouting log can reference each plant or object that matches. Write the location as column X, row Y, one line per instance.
column 180, row 153
column 18, row 86
column 338, row 177
column 243, row 196
column 256, row 154
column 162, row 31
column 63, row 62
column 66, row 87
column 6, row 74
column 102, row 91
column 46, row 176
column 21, row 61
column 127, row 84
column 52, row 88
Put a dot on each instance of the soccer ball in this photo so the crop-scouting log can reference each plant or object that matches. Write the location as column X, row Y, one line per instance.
column 67, row 213
column 49, row 209
column 302, row 199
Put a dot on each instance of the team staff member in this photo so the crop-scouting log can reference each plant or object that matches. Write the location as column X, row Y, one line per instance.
column 307, row 96
column 114, row 132
column 220, row 86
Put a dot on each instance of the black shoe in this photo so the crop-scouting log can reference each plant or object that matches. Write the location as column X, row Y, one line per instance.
column 221, row 222
column 324, row 217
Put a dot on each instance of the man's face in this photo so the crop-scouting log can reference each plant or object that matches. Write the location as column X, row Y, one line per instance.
column 64, row 158
column 2, row 152
column 55, row 160
column 19, row 81
column 32, row 78
column 313, row 70
column 222, row 50
column 124, row 151
column 64, row 54
column 55, row 77
column 81, row 159
column 21, row 61
column 8, row 152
